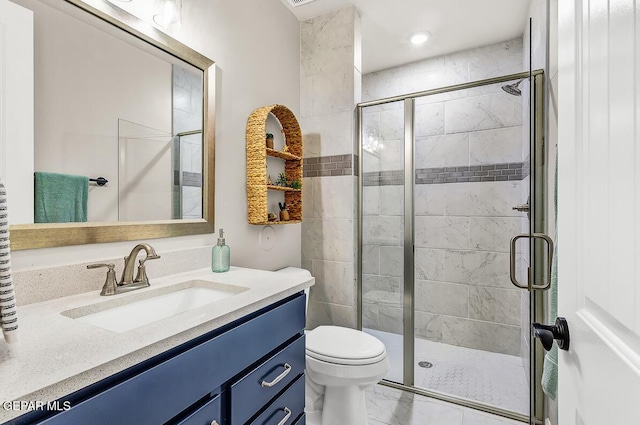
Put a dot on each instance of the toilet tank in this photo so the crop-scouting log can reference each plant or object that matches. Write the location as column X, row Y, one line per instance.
column 303, row 274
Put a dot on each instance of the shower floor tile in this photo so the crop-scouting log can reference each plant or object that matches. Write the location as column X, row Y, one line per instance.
column 388, row 406
column 492, row 378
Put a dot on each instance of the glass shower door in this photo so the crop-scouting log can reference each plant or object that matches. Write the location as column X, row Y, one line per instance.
column 447, row 178
column 383, row 133
column 471, row 169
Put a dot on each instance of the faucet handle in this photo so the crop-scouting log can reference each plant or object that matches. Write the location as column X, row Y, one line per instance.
column 110, row 283
column 141, row 276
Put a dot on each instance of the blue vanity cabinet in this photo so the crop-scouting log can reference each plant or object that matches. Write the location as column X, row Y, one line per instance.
column 204, row 380
column 286, row 409
column 209, row 414
column 257, row 388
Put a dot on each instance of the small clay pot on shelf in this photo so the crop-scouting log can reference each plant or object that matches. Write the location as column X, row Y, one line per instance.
column 269, row 141
column 284, row 214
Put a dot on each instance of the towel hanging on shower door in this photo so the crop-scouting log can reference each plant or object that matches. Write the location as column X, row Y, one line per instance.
column 550, row 369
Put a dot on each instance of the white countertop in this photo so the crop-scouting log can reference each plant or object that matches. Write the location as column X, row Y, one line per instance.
column 57, row 355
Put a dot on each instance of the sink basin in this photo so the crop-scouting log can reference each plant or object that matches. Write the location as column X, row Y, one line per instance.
column 132, row 312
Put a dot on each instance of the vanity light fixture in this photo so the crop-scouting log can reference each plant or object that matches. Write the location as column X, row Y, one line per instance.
column 419, row 38
column 168, row 13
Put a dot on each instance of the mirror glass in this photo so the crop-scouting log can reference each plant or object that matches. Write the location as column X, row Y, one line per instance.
column 110, row 106
column 130, row 110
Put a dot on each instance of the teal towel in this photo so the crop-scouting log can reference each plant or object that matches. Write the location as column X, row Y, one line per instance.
column 550, row 370
column 60, row 198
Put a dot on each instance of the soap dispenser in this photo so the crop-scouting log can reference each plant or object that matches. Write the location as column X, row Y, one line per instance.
column 220, row 255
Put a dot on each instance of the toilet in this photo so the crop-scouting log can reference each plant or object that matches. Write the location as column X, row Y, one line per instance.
column 341, row 363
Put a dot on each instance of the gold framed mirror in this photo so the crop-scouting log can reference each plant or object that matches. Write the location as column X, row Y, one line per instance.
column 42, row 235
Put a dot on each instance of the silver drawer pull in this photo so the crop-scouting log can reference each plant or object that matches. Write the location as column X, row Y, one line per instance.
column 286, row 418
column 287, row 369
column 214, row 423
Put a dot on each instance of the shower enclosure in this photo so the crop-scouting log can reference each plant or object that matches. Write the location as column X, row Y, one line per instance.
column 447, row 177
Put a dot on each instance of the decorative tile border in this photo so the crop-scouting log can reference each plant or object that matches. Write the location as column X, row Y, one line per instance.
column 326, row 166
column 191, row 179
column 468, row 174
column 384, row 178
column 347, row 165
column 526, row 168
column 188, row 179
column 464, row 174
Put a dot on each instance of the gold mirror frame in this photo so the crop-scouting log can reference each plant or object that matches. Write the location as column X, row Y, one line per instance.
column 31, row 236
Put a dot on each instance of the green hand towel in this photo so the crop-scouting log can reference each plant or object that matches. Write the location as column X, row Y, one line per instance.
column 550, row 370
column 60, row 198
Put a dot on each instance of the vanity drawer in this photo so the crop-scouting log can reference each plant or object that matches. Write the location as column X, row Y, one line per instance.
column 249, row 394
column 302, row 420
column 176, row 384
column 208, row 414
column 290, row 404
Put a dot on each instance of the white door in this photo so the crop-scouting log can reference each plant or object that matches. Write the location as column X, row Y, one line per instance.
column 16, row 109
column 599, row 211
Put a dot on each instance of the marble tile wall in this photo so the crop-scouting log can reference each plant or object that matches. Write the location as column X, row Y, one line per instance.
column 469, row 65
column 463, row 292
column 462, row 226
column 329, row 89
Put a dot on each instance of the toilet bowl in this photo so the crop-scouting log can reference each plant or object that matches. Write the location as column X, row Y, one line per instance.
column 341, row 363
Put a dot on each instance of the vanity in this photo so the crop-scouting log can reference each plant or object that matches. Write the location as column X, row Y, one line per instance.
column 195, row 347
column 236, row 360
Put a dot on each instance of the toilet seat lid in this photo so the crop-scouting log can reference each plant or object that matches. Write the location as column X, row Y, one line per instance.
column 344, row 346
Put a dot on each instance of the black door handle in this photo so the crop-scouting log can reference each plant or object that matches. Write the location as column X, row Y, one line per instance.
column 547, row 333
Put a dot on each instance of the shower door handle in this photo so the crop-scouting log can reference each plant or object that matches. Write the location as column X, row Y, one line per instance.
column 512, row 269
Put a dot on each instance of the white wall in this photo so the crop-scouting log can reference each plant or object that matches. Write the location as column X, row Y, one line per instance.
column 256, row 46
column 16, row 121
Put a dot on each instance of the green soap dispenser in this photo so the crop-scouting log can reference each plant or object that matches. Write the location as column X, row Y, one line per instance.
column 220, row 255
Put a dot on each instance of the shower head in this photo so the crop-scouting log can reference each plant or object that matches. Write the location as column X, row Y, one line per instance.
column 512, row 88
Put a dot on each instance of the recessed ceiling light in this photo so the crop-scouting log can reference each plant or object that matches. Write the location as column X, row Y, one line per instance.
column 419, row 38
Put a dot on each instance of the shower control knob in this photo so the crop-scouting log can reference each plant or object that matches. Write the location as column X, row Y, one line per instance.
column 547, row 333
column 521, row 208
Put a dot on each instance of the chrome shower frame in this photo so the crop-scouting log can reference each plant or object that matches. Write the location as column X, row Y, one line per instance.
column 537, row 223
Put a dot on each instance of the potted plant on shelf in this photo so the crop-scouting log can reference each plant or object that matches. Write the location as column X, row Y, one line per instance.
column 296, row 184
column 284, row 214
column 269, row 141
column 282, row 180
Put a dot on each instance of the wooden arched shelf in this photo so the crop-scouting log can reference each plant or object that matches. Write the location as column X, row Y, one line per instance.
column 257, row 153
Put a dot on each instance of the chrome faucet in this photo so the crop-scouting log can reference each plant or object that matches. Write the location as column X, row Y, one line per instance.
column 127, row 282
column 129, row 261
